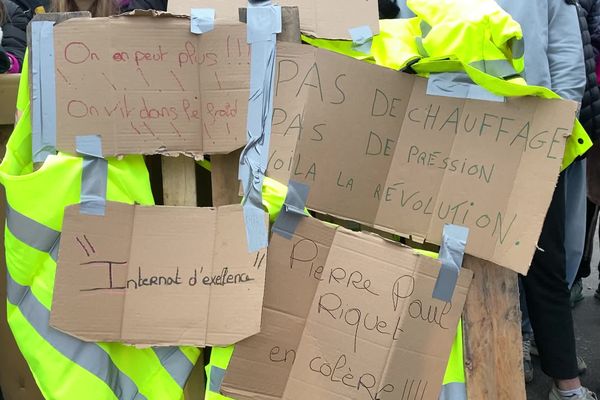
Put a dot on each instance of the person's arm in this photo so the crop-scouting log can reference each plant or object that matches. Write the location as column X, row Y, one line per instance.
column 565, row 50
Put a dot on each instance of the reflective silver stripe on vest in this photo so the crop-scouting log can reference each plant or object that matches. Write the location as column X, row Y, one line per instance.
column 217, row 375
column 46, row 239
column 518, row 48
column 32, row 233
column 174, row 361
column 89, row 356
column 454, row 391
column 497, row 68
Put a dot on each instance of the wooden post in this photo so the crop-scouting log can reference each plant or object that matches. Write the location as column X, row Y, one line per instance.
column 179, row 189
column 224, row 175
column 492, row 333
column 179, row 180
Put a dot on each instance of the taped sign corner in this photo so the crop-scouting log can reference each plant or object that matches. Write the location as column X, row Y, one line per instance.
column 452, row 251
column 202, row 20
column 292, row 210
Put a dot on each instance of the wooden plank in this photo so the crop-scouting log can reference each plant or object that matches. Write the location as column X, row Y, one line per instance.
column 225, row 185
column 492, row 325
column 179, row 181
column 179, row 189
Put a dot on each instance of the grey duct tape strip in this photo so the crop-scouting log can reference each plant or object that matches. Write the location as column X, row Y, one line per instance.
column 202, row 20
column 292, row 211
column 452, row 251
column 453, row 391
column 450, row 84
column 44, row 90
column 362, row 37
column 89, row 356
column 264, row 21
column 216, row 379
column 94, row 176
column 47, row 240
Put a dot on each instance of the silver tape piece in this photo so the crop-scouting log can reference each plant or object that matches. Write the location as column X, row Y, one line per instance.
column 264, row 21
column 94, row 175
column 292, row 211
column 452, row 251
column 454, row 85
column 362, row 37
column 202, row 20
column 44, row 90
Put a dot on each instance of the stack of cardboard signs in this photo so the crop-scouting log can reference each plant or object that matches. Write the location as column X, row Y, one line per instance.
column 326, row 313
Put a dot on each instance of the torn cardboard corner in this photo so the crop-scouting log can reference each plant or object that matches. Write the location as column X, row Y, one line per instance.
column 158, row 276
column 148, row 85
column 375, row 148
column 346, row 316
column 329, row 19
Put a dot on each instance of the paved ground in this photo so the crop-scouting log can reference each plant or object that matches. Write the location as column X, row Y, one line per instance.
column 587, row 331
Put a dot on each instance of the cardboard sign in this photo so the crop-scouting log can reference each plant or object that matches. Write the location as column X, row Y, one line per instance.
column 148, row 85
column 375, row 148
column 158, row 276
column 347, row 316
column 9, row 87
column 317, row 18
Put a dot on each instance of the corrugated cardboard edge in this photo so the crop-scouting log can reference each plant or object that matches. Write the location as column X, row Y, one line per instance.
column 150, row 13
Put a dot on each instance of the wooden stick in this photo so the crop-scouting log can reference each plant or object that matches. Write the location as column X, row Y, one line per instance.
column 179, row 181
column 492, row 333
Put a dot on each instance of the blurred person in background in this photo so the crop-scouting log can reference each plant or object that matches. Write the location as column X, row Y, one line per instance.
column 590, row 118
column 13, row 37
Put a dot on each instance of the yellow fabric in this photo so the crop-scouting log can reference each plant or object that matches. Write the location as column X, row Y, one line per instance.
column 488, row 30
column 42, row 196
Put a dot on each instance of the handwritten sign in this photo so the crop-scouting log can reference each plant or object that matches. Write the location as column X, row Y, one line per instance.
column 375, row 148
column 158, row 276
column 317, row 18
column 359, row 318
column 148, row 85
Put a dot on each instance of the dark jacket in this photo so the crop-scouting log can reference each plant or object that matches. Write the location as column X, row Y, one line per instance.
column 160, row 5
column 28, row 6
column 14, row 39
column 589, row 22
column 590, row 109
column 388, row 9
